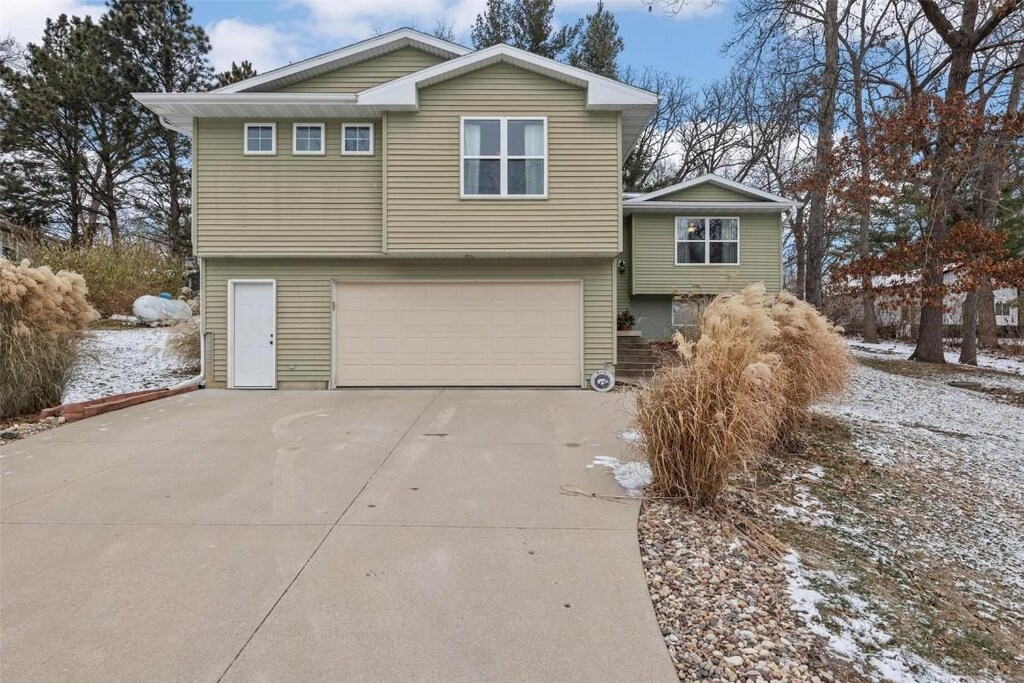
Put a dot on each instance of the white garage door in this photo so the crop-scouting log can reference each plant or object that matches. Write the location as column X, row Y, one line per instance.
column 458, row 333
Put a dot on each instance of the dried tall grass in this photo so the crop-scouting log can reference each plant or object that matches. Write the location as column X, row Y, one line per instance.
column 41, row 314
column 183, row 343
column 758, row 364
column 117, row 275
column 816, row 361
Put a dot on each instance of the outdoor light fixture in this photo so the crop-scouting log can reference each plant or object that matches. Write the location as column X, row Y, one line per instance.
column 622, row 267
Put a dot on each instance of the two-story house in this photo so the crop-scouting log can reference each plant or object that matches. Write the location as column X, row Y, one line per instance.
column 406, row 211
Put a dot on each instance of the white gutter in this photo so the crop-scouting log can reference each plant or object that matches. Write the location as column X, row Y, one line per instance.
column 741, row 207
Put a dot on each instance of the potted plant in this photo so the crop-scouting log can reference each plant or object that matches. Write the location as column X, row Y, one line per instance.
column 626, row 321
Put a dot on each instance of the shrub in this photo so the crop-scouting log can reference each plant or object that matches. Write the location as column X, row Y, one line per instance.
column 41, row 314
column 703, row 419
column 183, row 343
column 117, row 275
column 816, row 361
column 742, row 387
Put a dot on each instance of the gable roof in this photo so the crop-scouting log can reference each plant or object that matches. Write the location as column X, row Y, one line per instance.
column 720, row 181
column 603, row 94
column 346, row 56
column 250, row 97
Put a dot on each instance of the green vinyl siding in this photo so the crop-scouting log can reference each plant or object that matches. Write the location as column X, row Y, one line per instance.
column 706, row 192
column 425, row 213
column 367, row 74
column 653, row 259
column 622, row 279
column 284, row 204
column 304, row 288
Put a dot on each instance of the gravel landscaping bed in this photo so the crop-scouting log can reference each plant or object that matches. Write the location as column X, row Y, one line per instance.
column 722, row 603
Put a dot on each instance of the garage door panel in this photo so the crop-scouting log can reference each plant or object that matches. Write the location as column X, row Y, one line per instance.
column 458, row 333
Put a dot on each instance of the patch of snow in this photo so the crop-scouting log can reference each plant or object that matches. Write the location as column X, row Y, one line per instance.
column 630, row 435
column 119, row 361
column 858, row 634
column 634, row 477
column 903, row 350
column 122, row 318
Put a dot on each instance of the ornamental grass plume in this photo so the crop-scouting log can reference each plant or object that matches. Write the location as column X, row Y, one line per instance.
column 711, row 415
column 743, row 386
column 41, row 315
column 816, row 361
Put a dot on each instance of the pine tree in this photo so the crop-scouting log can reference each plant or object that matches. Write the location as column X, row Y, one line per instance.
column 115, row 130
column 43, row 115
column 237, row 72
column 532, row 30
column 170, row 52
column 493, row 26
column 599, row 45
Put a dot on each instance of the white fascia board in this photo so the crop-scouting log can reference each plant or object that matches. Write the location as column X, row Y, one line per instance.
column 602, row 93
column 636, row 206
column 716, row 179
column 349, row 55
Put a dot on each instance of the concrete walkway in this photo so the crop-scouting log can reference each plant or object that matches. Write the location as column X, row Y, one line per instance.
column 325, row 536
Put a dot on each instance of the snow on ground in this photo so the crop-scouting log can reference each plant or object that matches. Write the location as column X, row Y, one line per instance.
column 941, row 521
column 122, row 360
column 902, row 350
column 632, row 476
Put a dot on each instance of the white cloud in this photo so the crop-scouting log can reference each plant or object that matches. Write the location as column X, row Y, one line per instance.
column 26, row 19
column 267, row 47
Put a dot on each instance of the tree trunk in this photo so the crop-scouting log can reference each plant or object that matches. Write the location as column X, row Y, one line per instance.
column 800, row 246
column 929, row 340
column 864, row 247
column 969, row 329
column 823, row 155
column 988, row 332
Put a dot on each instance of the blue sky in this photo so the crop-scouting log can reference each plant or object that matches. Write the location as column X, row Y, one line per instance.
column 271, row 33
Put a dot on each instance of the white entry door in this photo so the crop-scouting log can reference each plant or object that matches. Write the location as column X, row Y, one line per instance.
column 253, row 358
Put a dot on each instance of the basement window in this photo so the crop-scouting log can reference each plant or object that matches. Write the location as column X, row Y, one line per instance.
column 260, row 138
column 707, row 241
column 504, row 157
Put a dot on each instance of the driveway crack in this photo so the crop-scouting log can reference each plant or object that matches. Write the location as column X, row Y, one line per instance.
column 323, row 540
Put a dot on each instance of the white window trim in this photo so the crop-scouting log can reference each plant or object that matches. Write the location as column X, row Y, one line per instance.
column 707, row 241
column 346, row 126
column 308, row 153
column 245, row 139
column 503, row 156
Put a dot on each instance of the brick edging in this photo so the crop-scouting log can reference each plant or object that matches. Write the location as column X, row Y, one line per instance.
column 72, row 412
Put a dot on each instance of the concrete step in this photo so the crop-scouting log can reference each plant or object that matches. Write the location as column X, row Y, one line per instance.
column 638, row 367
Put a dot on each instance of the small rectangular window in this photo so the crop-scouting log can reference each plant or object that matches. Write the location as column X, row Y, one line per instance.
column 308, row 138
column 707, row 241
column 504, row 157
column 357, row 138
column 260, row 138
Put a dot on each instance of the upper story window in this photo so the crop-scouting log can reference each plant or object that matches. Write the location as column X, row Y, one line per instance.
column 308, row 138
column 504, row 157
column 260, row 138
column 357, row 138
column 707, row 241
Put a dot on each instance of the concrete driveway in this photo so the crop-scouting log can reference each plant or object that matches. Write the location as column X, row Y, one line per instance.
column 314, row 536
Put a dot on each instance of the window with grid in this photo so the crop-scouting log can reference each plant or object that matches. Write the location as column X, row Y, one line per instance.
column 707, row 240
column 308, row 138
column 260, row 138
column 504, row 157
column 357, row 138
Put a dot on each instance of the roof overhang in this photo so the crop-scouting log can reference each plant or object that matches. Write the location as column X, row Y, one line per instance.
column 603, row 94
column 346, row 56
column 720, row 181
column 246, row 99
column 176, row 110
column 633, row 206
